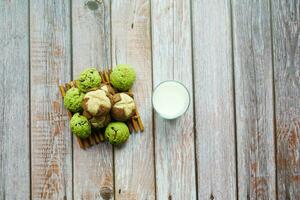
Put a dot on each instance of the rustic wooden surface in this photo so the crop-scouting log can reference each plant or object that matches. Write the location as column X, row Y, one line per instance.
column 50, row 64
column 174, row 139
column 93, row 168
column 286, row 52
column 214, row 100
column 131, row 43
column 254, row 99
column 239, row 139
column 14, row 101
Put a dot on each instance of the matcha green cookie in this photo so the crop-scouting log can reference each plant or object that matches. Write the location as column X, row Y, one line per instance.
column 89, row 80
column 73, row 100
column 116, row 133
column 122, row 77
column 80, row 126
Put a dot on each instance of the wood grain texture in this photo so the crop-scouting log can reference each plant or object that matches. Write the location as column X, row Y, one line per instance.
column 93, row 167
column 174, row 139
column 214, row 105
column 286, row 45
column 131, row 44
column 254, row 99
column 14, row 101
column 51, row 150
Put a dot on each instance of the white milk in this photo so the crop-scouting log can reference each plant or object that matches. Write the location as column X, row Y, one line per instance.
column 170, row 99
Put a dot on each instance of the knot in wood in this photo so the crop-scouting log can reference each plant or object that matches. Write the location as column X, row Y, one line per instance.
column 106, row 192
column 93, row 4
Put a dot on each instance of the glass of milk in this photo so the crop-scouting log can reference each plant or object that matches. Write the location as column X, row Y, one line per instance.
column 170, row 99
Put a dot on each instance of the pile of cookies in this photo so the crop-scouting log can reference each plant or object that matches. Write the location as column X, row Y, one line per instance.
column 101, row 105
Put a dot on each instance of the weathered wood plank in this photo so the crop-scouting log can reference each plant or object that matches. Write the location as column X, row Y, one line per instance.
column 51, row 150
column 131, row 43
column 174, row 139
column 214, row 106
column 254, row 99
column 93, row 168
column 286, row 45
column 14, row 100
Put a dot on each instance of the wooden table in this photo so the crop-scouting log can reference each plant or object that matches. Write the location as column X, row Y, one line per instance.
column 240, row 138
